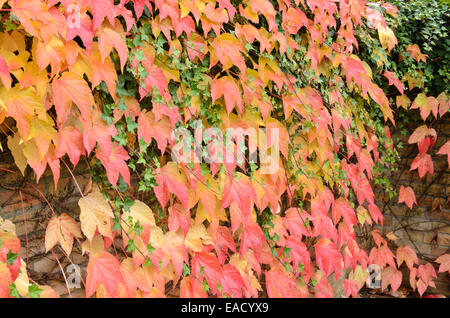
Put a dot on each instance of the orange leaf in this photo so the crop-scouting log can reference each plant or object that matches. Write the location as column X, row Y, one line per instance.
column 103, row 270
column 61, row 229
column 227, row 87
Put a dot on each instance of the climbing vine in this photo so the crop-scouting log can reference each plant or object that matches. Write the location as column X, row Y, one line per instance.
column 122, row 84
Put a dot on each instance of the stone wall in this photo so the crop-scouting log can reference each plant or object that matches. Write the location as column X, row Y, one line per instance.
column 27, row 205
column 426, row 226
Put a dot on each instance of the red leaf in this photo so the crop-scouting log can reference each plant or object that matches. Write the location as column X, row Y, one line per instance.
column 224, row 241
column 103, row 269
column 10, row 243
column 280, row 284
column 393, row 80
column 232, row 281
column 70, row 142
column 239, row 190
column 351, row 288
column 406, row 254
column 5, row 76
column 115, row 163
column 328, row 257
column 252, row 237
column 420, row 133
column 424, row 164
column 212, row 270
column 391, row 276
column 342, row 207
column 102, row 9
column 69, row 88
column 109, row 38
column 295, row 222
column 407, row 196
column 445, row 150
column 171, row 180
column 179, row 218
column 149, row 128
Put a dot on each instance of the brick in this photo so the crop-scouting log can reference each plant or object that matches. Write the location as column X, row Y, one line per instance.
column 439, row 250
column 443, row 240
column 44, row 265
column 445, row 230
column 416, row 236
column 420, row 224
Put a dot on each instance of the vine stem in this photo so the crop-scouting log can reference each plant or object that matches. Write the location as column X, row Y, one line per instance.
column 62, row 271
column 25, row 221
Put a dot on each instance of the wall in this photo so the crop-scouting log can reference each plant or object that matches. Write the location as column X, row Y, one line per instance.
column 426, row 226
column 22, row 202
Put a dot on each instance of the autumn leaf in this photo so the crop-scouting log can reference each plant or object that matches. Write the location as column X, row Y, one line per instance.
column 328, row 257
column 414, row 51
column 391, row 276
column 14, row 144
column 227, row 87
column 103, row 270
column 403, row 101
column 115, row 163
column 96, row 214
column 394, row 81
column 5, row 76
column 196, row 238
column 149, row 128
column 61, row 229
column 351, row 288
column 239, row 190
column 70, row 143
column 406, row 254
column 5, row 280
column 179, row 218
column 280, row 284
column 70, row 88
column 140, row 212
column 444, row 261
column 445, row 150
column 170, row 179
column 426, row 105
column 420, row 133
column 424, row 164
column 102, row 9
column 407, row 196
column 228, row 50
column 9, row 252
column 341, row 207
column 387, row 37
column 109, row 38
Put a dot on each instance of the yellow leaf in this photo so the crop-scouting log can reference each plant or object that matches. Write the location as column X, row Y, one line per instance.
column 7, row 226
column 363, row 215
column 16, row 148
column 359, row 275
column 196, row 237
column 95, row 215
column 387, row 37
column 139, row 212
column 391, row 236
column 403, row 101
column 96, row 246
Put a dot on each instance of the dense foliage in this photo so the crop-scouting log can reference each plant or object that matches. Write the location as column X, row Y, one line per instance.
column 113, row 81
column 425, row 23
